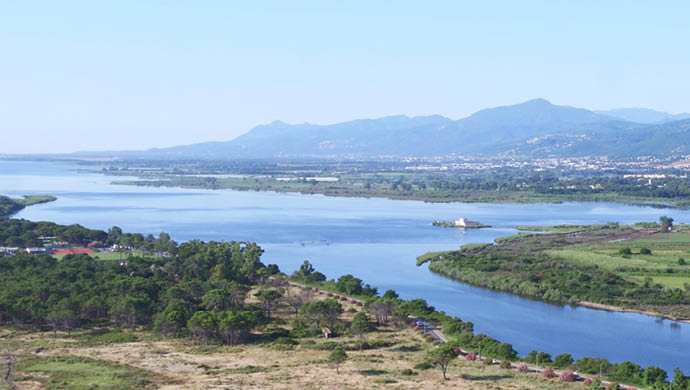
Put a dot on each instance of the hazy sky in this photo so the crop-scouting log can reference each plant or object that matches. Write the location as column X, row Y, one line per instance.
column 96, row 75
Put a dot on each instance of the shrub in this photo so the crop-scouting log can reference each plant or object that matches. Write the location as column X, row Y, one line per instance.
column 407, row 372
column 504, row 364
column 522, row 367
column 645, row 251
column 563, row 360
column 285, row 341
column 567, row 376
column 681, row 261
column 548, row 373
column 625, row 251
column 471, row 356
column 281, row 347
column 422, row 366
column 488, row 361
column 595, row 384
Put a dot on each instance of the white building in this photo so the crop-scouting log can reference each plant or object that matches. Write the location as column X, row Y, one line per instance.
column 464, row 222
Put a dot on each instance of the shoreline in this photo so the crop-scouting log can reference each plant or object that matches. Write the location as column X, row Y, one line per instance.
column 546, row 200
column 585, row 304
column 618, row 309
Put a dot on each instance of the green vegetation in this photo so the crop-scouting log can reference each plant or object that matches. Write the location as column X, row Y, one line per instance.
column 9, row 206
column 29, row 200
column 219, row 293
column 80, row 373
column 629, row 267
column 428, row 256
column 442, row 356
column 337, row 357
column 473, row 247
column 414, row 180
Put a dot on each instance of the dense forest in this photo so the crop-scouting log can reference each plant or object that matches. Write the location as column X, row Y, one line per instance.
column 23, row 233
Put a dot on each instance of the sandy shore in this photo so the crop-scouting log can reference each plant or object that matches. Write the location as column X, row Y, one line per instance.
column 601, row 306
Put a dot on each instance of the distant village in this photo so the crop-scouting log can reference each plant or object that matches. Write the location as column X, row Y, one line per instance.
column 53, row 246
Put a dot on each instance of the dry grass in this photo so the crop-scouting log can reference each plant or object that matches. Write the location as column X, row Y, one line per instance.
column 184, row 366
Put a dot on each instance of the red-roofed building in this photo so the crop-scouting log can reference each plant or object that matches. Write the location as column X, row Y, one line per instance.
column 71, row 251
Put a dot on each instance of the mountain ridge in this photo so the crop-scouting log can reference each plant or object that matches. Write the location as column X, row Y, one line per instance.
column 535, row 128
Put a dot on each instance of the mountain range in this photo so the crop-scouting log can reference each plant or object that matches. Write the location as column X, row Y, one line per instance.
column 535, row 128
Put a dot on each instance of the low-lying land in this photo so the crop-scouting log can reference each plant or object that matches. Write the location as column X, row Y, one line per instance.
column 9, row 206
column 431, row 181
column 637, row 268
column 411, row 188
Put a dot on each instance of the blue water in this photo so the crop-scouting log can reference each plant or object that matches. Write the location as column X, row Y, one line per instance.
column 374, row 239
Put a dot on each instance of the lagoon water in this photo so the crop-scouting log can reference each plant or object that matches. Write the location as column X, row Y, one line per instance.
column 374, row 239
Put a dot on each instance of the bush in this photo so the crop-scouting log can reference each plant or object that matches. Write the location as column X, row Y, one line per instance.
column 596, row 384
column 285, row 341
column 422, row 366
column 645, row 251
column 590, row 365
column 563, row 360
column 505, row 364
column 471, row 356
column 625, row 251
column 548, row 373
column 407, row 372
column 681, row 261
column 567, row 376
column 488, row 361
column 281, row 347
column 522, row 367
column 302, row 329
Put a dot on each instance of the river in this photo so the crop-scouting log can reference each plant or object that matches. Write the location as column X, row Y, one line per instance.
column 374, row 239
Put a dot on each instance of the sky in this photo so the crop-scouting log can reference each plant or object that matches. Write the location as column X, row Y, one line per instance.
column 131, row 75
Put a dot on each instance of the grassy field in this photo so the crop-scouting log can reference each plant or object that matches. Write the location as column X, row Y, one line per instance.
column 672, row 281
column 662, row 265
column 82, row 373
column 29, row 200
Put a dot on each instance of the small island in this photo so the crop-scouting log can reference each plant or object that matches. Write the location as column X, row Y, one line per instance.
column 461, row 223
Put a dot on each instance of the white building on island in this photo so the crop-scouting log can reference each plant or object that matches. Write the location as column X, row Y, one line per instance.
column 464, row 222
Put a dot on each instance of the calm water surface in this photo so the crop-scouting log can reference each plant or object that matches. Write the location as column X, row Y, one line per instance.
column 374, row 239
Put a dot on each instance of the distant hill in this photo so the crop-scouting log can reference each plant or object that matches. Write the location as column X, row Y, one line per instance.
column 643, row 115
column 535, row 128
